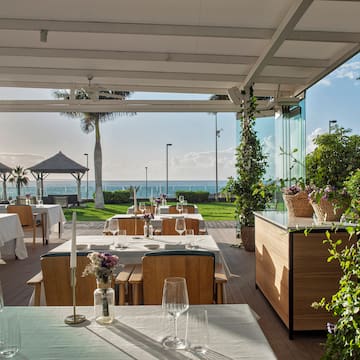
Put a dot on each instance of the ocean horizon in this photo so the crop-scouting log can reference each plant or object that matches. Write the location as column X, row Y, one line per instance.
column 154, row 188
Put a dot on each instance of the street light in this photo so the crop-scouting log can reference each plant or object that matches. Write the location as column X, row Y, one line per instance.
column 217, row 135
column 332, row 124
column 87, row 175
column 146, row 183
column 167, row 168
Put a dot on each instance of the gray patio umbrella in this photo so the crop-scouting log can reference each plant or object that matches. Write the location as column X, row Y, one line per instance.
column 58, row 164
column 5, row 172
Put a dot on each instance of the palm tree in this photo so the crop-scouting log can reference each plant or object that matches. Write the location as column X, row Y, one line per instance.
column 91, row 122
column 18, row 176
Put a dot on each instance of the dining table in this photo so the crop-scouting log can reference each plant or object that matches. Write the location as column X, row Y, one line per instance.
column 136, row 333
column 54, row 217
column 11, row 237
column 131, row 249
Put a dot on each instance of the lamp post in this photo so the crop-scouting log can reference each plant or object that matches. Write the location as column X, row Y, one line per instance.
column 332, row 124
column 87, row 175
column 167, row 168
column 146, row 182
column 217, row 135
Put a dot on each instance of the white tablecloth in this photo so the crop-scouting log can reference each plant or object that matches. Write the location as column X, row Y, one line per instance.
column 136, row 245
column 54, row 218
column 164, row 209
column 136, row 334
column 10, row 228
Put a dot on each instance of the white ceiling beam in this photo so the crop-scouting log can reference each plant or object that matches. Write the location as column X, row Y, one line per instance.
column 288, row 23
column 116, row 106
column 135, row 28
column 121, row 74
column 171, row 30
column 156, row 56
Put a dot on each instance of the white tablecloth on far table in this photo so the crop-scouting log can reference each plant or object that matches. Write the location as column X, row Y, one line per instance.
column 10, row 228
column 164, row 209
column 136, row 245
column 136, row 333
column 55, row 218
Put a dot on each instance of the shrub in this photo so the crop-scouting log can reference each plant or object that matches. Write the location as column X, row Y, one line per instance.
column 117, row 197
column 194, row 196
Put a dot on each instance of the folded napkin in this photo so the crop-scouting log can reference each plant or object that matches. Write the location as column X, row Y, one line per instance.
column 99, row 247
column 174, row 246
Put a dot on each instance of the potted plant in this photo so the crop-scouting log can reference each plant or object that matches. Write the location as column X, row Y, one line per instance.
column 335, row 157
column 343, row 338
column 251, row 193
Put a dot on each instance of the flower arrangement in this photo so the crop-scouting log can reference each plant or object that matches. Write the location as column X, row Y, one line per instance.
column 296, row 199
column 148, row 217
column 101, row 265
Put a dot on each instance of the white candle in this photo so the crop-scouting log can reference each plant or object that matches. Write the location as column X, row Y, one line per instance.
column 135, row 202
column 73, row 242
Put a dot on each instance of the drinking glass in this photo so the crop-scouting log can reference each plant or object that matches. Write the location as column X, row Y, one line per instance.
column 113, row 226
column 175, row 301
column 190, row 238
column 179, row 207
column 181, row 198
column 121, row 240
column 1, row 299
column 180, row 225
column 142, row 207
column 197, row 334
column 9, row 335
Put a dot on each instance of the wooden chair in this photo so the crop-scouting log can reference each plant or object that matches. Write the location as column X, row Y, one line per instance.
column 205, row 279
column 189, row 209
column 168, row 226
column 29, row 219
column 55, row 277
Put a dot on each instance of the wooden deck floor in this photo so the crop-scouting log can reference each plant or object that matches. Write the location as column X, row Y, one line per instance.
column 240, row 289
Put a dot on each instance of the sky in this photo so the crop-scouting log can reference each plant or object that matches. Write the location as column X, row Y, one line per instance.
column 131, row 143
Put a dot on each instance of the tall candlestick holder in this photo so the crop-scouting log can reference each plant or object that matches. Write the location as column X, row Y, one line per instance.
column 74, row 318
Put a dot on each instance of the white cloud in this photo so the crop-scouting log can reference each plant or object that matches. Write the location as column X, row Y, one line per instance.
column 350, row 71
column 310, row 146
column 24, row 160
column 325, row 82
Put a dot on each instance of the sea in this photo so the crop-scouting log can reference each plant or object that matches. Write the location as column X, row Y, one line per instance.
column 152, row 188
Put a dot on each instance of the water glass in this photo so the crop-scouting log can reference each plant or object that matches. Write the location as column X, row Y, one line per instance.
column 197, row 334
column 121, row 240
column 10, row 339
column 190, row 238
column 1, row 299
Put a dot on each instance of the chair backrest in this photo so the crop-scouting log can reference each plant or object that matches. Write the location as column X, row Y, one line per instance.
column 189, row 209
column 197, row 267
column 57, row 282
column 25, row 213
column 133, row 226
column 168, row 226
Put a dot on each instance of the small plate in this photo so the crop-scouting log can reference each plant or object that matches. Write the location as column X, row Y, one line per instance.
column 152, row 246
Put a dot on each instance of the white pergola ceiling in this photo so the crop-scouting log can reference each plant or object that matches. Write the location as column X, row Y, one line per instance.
column 188, row 46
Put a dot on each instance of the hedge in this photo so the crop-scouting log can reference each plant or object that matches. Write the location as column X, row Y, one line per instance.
column 117, row 197
column 194, row 196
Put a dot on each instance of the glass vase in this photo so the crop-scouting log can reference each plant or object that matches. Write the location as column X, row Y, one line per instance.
column 148, row 230
column 104, row 302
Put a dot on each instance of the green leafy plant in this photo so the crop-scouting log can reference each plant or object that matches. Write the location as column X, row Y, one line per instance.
column 335, row 157
column 343, row 339
column 250, row 191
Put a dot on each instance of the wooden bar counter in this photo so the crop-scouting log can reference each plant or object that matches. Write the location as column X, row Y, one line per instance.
column 292, row 269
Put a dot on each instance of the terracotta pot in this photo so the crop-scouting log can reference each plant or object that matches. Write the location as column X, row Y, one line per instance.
column 248, row 237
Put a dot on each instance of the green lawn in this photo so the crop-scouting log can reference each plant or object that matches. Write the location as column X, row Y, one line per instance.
column 87, row 212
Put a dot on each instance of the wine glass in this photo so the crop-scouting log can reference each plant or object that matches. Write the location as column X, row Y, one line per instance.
column 181, row 198
column 180, row 225
column 113, row 226
column 1, row 299
column 175, row 301
column 179, row 207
